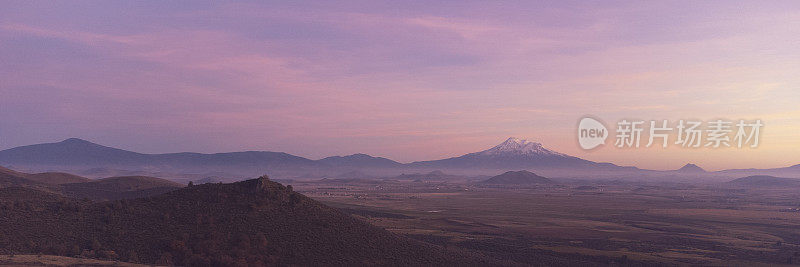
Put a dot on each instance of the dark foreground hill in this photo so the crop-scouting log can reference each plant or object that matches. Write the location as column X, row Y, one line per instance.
column 765, row 181
column 114, row 188
column 517, row 178
column 254, row 222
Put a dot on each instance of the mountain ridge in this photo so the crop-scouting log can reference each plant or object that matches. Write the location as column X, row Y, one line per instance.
column 513, row 153
column 78, row 155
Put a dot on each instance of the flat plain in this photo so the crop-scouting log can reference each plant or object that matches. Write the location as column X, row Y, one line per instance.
column 608, row 222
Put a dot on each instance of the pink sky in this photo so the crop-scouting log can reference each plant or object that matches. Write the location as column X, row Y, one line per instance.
column 408, row 81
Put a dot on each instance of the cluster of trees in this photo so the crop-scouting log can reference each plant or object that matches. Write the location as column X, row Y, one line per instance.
column 179, row 229
column 254, row 222
column 240, row 251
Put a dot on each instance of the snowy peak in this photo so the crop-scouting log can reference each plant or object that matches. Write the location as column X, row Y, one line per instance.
column 516, row 146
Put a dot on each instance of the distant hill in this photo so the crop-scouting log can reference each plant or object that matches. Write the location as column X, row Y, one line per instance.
column 792, row 172
column 78, row 154
column 10, row 177
column 255, row 222
column 517, row 178
column 765, row 181
column 431, row 176
column 57, row 178
column 353, row 175
column 10, row 172
column 359, row 161
column 691, row 168
column 73, row 151
column 70, row 185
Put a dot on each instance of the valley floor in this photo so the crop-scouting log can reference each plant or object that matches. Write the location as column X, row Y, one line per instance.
column 600, row 223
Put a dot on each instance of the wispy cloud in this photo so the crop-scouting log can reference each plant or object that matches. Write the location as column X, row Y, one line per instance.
column 319, row 79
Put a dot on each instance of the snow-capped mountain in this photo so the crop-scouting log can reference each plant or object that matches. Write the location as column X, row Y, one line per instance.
column 514, row 153
column 516, row 146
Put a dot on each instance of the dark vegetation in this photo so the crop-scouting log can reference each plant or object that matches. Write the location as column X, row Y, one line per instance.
column 255, row 222
column 114, row 188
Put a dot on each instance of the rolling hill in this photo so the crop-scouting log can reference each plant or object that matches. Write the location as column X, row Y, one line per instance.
column 69, row 185
column 70, row 152
column 517, row 178
column 765, row 181
column 57, row 178
column 690, row 168
column 359, row 161
column 255, row 222
column 78, row 154
column 791, row 171
column 10, row 177
column 114, row 188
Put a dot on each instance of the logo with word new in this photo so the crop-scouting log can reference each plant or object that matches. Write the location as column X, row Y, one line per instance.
column 591, row 133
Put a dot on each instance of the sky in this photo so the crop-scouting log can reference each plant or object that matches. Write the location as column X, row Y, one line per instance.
column 406, row 80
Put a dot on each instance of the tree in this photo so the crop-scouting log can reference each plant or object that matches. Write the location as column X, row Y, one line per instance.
column 133, row 257
column 109, row 254
column 261, row 241
column 75, row 251
column 96, row 245
column 165, row 259
column 179, row 250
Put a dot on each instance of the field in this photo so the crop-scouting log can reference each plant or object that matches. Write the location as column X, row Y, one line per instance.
column 593, row 222
column 50, row 260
